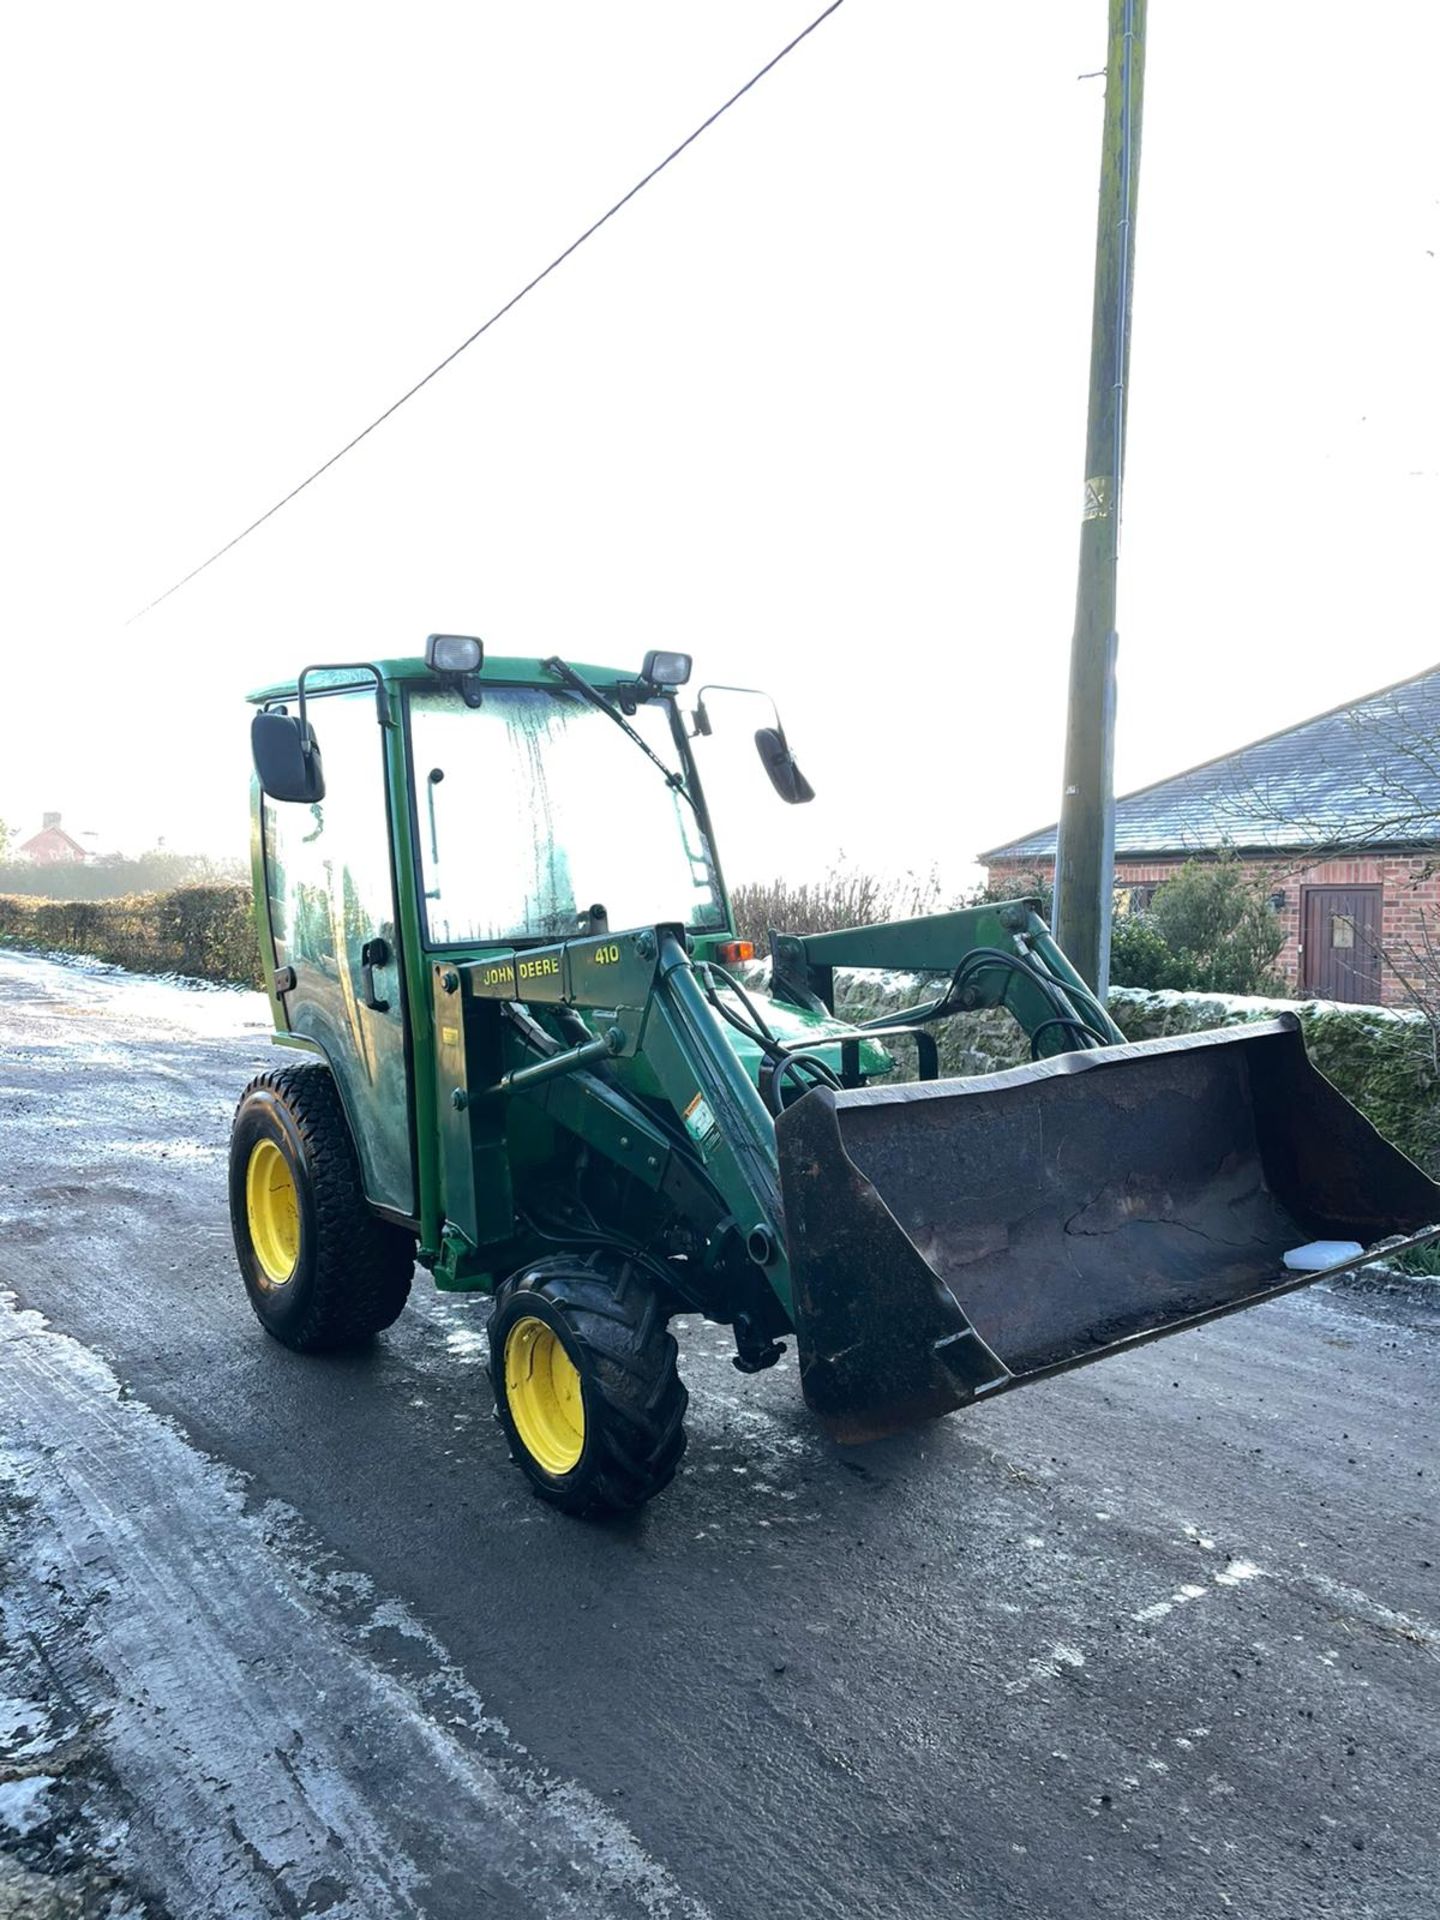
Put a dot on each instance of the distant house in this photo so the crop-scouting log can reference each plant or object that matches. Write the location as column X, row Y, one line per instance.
column 1338, row 816
column 52, row 846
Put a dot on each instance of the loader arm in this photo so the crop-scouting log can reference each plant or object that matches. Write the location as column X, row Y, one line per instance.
column 996, row 956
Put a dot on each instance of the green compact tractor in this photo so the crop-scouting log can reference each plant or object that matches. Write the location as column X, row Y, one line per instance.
column 524, row 1051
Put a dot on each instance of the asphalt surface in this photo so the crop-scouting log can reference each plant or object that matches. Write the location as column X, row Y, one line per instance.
column 284, row 1636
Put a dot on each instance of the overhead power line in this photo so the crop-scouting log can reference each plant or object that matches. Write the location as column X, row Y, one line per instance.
column 499, row 314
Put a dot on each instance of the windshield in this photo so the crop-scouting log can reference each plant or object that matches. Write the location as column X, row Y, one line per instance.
column 534, row 808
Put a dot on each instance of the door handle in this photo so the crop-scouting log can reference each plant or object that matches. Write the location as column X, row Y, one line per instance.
column 374, row 953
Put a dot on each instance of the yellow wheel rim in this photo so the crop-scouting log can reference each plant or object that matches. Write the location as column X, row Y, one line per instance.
column 272, row 1209
column 542, row 1389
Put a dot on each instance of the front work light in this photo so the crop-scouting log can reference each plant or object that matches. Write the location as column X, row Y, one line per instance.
column 454, row 653
column 665, row 669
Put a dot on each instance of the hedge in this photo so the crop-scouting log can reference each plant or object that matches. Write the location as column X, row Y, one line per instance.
column 206, row 931
column 1381, row 1058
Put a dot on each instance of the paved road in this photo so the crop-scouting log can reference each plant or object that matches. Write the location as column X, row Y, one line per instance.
column 284, row 1636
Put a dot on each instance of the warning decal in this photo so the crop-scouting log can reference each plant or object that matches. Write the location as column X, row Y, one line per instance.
column 700, row 1123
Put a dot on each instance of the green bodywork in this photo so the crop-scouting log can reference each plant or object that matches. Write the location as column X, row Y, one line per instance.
column 505, row 1094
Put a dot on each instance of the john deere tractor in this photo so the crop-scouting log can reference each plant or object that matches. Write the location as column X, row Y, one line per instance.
column 522, row 1046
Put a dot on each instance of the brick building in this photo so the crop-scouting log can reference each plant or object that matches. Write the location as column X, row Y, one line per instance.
column 53, row 846
column 1339, row 817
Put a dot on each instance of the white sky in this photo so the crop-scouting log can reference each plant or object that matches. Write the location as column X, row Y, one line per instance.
column 811, row 408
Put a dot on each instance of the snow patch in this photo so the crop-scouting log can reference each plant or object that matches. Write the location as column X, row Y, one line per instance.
column 1353, row 1603
column 465, row 1344
column 1233, row 1574
column 241, row 1685
column 24, row 1804
column 1062, row 1658
column 1249, row 1006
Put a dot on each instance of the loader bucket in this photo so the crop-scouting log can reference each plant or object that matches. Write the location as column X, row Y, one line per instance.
column 953, row 1239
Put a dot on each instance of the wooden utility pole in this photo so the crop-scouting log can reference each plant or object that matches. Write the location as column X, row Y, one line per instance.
column 1085, row 853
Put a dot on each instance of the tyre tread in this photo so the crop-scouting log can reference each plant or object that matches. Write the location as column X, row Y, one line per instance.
column 621, row 1325
column 363, row 1264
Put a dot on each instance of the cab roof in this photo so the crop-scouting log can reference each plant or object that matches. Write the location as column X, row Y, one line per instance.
column 501, row 671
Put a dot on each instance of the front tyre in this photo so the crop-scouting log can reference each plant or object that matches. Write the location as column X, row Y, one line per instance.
column 322, row 1271
column 587, row 1386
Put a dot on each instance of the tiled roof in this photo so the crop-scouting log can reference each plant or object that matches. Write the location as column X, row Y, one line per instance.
column 53, row 840
column 1363, row 775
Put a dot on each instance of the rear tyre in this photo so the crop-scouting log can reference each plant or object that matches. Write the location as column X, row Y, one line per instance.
column 586, row 1380
column 322, row 1271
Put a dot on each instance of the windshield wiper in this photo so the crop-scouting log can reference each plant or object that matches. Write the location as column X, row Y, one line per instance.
column 564, row 671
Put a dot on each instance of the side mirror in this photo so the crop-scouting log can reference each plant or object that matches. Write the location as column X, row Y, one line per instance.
column 287, row 757
column 779, row 762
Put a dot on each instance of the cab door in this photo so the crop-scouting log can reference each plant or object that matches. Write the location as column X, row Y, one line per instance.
column 333, row 920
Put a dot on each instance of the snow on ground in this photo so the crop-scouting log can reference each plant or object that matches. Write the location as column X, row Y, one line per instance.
column 273, row 1758
column 205, row 1008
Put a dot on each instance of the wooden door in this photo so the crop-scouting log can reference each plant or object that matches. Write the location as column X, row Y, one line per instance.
column 1340, row 943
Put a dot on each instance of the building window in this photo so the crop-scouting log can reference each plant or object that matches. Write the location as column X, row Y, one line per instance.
column 1136, row 899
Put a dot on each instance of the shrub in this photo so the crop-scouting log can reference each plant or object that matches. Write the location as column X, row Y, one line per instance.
column 1139, row 956
column 1220, row 929
column 841, row 897
column 1387, row 1067
column 1017, row 886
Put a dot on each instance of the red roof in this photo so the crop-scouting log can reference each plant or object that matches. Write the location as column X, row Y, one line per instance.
column 52, row 846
